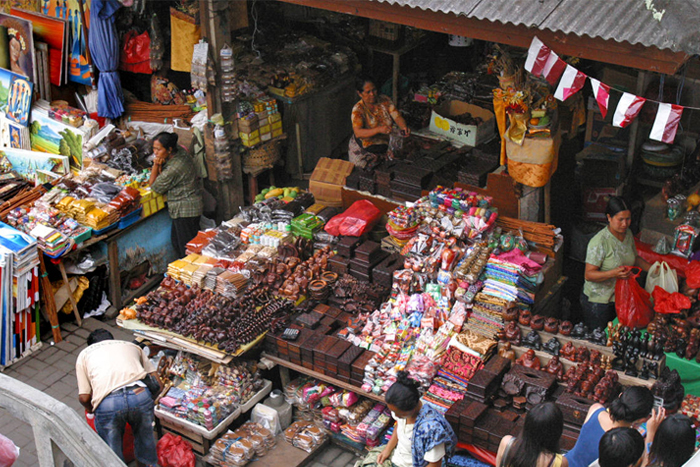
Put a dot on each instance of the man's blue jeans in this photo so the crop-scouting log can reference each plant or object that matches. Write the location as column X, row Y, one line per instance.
column 134, row 406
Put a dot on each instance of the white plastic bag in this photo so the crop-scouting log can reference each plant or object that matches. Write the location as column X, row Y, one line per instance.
column 8, row 452
column 267, row 417
column 661, row 274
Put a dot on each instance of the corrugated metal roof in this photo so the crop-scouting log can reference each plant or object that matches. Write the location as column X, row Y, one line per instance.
column 665, row 24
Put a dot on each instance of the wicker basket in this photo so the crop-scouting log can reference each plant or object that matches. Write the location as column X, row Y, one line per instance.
column 265, row 155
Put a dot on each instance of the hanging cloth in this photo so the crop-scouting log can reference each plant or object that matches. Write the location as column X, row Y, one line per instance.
column 104, row 47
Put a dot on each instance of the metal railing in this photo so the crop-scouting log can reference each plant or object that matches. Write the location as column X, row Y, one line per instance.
column 62, row 438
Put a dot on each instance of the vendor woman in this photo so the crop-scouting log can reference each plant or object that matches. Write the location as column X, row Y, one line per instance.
column 372, row 119
column 175, row 175
column 611, row 253
column 422, row 437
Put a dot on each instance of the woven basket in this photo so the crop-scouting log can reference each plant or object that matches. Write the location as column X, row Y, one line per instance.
column 265, row 155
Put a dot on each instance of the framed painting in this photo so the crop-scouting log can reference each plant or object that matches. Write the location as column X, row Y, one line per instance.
column 54, row 137
column 53, row 32
column 69, row 10
column 26, row 163
column 20, row 44
column 15, row 96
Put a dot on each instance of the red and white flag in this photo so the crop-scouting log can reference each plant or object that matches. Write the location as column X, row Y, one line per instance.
column 571, row 82
column 601, row 92
column 666, row 123
column 537, row 57
column 627, row 109
column 553, row 68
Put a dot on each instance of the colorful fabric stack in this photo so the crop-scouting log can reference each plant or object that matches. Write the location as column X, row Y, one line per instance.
column 486, row 316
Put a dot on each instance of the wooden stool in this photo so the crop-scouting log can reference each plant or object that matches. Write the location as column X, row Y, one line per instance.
column 253, row 175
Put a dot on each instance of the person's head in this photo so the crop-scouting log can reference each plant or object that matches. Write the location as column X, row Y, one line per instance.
column 621, row 447
column 618, row 214
column 633, row 406
column 17, row 43
column 541, row 432
column 674, row 442
column 164, row 144
column 99, row 335
column 366, row 89
column 403, row 397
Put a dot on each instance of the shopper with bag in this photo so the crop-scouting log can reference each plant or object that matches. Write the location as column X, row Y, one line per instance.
column 611, row 253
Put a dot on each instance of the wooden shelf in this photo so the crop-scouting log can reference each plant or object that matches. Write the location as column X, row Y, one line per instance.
column 321, row 376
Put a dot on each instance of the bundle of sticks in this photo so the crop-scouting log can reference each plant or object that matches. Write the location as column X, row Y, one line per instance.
column 546, row 236
column 140, row 111
column 24, row 196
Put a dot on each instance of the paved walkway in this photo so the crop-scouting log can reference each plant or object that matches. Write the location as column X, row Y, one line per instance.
column 52, row 370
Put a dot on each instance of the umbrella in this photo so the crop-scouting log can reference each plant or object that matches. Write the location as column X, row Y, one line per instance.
column 104, row 47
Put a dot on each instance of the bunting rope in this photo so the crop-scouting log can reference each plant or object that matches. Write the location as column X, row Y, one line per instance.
column 542, row 61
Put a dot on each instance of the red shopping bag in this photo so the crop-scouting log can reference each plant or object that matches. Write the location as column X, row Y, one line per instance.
column 632, row 302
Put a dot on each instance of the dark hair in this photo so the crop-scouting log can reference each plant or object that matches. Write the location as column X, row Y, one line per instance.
column 616, row 204
column 541, row 432
column 360, row 82
column 635, row 403
column 674, row 442
column 168, row 140
column 403, row 394
column 99, row 335
column 620, row 447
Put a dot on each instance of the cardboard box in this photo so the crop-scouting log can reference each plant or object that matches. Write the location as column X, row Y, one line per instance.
column 471, row 135
column 247, row 125
column 275, row 117
column 276, row 125
column 264, row 129
column 277, row 132
column 595, row 200
column 328, row 179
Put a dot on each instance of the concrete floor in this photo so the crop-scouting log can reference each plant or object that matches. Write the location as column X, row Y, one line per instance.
column 52, row 370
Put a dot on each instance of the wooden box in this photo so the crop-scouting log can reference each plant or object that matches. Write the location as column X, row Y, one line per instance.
column 357, row 371
column 333, row 356
column 574, row 408
column 320, row 353
column 470, row 415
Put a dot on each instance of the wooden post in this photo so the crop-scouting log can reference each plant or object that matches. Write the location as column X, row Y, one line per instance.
column 216, row 31
column 66, row 283
column 49, row 303
column 115, row 282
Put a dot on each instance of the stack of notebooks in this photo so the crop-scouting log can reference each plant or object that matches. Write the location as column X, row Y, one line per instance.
column 50, row 240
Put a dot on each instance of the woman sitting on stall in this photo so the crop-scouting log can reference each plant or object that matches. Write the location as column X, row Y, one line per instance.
column 422, row 437
column 175, row 175
column 610, row 254
column 372, row 120
column 631, row 409
column 538, row 444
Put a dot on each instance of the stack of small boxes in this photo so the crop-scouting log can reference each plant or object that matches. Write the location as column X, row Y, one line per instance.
column 366, row 257
column 269, row 118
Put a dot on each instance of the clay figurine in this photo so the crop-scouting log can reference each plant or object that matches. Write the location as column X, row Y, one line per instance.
column 511, row 314
column 513, row 334
column 555, row 367
column 552, row 346
column 532, row 340
column 644, row 373
column 565, row 328
column 580, row 331
column 598, row 337
column 631, row 363
column 525, row 317
column 568, row 351
column 582, row 354
column 595, row 358
column 529, row 360
column 507, row 353
column 551, row 325
column 611, row 334
column 537, row 322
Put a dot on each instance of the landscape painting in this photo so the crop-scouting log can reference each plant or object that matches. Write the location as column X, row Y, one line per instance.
column 26, row 163
column 55, row 137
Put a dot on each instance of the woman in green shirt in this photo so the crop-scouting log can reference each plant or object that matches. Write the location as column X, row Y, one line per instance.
column 174, row 175
column 611, row 253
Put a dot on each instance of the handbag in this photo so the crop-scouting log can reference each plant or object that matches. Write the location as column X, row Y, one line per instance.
column 661, row 274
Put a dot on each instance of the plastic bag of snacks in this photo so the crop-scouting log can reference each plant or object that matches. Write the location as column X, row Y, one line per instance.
column 230, row 451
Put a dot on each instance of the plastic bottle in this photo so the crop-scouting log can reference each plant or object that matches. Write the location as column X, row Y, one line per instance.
column 227, row 75
column 284, row 409
column 220, row 140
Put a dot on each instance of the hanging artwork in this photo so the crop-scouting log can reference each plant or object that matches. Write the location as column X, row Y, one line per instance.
column 15, row 96
column 20, row 42
column 69, row 10
column 53, row 32
column 54, row 137
column 29, row 5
